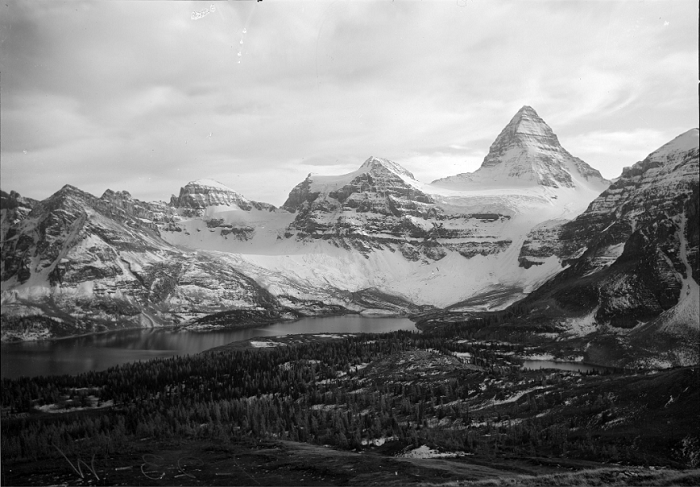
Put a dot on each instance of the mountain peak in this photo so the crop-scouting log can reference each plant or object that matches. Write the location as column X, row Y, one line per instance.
column 526, row 110
column 528, row 153
column 70, row 192
column 373, row 163
column 526, row 128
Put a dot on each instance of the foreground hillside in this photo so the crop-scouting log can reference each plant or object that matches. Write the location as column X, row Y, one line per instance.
column 394, row 408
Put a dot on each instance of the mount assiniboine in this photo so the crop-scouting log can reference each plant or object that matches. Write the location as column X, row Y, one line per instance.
column 527, row 153
column 375, row 240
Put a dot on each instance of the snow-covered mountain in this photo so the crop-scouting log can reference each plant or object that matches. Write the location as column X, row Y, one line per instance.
column 375, row 240
column 379, row 228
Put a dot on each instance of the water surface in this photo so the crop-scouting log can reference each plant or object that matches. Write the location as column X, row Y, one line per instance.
column 99, row 352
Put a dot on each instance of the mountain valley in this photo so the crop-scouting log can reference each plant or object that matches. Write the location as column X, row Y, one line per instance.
column 534, row 225
column 532, row 259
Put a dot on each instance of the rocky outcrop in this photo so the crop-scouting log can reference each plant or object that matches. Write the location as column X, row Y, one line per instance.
column 542, row 242
column 151, row 213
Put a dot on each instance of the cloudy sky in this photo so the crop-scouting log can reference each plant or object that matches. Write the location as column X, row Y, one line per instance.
column 146, row 96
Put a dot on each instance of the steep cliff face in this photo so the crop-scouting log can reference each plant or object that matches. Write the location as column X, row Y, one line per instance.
column 85, row 264
column 527, row 153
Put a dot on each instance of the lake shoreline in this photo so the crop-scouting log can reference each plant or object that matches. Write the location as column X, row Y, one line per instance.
column 204, row 328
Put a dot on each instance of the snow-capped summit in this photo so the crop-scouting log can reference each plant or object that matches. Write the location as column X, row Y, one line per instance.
column 528, row 153
column 379, row 164
column 199, row 194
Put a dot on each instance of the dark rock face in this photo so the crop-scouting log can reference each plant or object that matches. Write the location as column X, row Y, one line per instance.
column 543, row 241
column 299, row 195
column 628, row 260
column 13, row 252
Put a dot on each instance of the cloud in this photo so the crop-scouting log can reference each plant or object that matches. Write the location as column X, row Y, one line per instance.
column 138, row 96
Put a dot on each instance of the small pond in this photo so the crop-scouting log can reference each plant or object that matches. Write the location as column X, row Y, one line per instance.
column 571, row 366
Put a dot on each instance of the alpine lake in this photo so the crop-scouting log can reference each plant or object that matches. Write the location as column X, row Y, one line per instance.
column 101, row 351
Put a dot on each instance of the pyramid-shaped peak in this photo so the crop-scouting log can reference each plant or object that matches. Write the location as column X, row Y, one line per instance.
column 528, row 153
column 373, row 163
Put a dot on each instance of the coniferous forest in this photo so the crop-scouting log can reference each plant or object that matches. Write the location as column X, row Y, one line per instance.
column 400, row 391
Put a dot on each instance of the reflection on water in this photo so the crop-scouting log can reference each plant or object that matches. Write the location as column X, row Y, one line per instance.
column 99, row 352
column 572, row 366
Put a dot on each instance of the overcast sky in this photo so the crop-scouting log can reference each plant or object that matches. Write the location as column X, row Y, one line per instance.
column 146, row 96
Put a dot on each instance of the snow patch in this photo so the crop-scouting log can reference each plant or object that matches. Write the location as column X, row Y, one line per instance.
column 258, row 344
column 426, row 452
